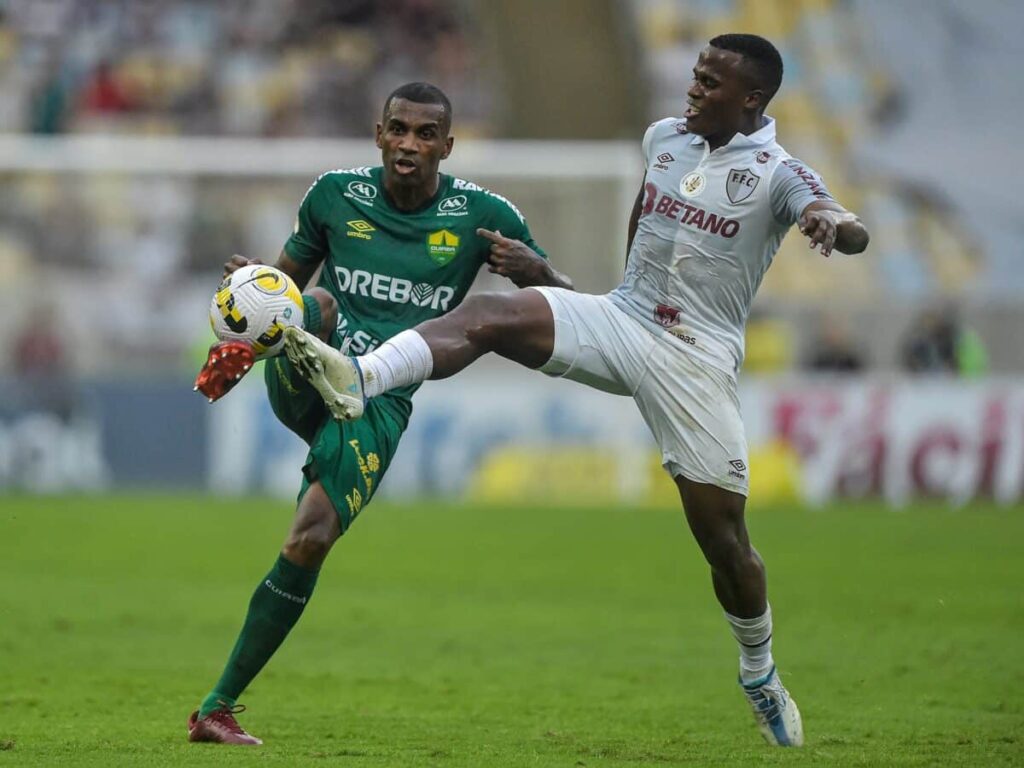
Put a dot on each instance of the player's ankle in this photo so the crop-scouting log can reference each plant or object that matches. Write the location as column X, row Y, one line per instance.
column 213, row 702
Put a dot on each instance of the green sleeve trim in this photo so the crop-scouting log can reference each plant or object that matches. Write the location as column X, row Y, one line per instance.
column 311, row 318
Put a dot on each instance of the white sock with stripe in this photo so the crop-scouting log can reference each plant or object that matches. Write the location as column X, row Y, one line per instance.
column 754, row 637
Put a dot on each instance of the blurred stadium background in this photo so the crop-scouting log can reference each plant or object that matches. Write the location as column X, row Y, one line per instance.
column 143, row 142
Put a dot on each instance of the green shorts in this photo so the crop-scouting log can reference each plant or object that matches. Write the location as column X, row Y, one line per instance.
column 348, row 458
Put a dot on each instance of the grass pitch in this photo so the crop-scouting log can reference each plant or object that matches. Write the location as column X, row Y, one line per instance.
column 465, row 636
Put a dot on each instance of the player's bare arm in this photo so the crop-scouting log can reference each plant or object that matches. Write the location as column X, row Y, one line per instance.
column 634, row 219
column 828, row 225
column 518, row 262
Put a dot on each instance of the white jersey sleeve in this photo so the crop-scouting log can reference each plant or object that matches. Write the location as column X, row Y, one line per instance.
column 652, row 129
column 794, row 185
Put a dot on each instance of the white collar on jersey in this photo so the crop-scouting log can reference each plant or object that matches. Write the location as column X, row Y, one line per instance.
column 762, row 135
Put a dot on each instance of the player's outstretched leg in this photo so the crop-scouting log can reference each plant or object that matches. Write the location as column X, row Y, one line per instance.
column 335, row 376
column 716, row 518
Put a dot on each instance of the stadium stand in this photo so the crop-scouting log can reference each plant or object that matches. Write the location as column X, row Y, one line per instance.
column 265, row 68
column 865, row 101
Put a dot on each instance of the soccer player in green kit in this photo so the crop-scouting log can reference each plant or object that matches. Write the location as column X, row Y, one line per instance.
column 398, row 244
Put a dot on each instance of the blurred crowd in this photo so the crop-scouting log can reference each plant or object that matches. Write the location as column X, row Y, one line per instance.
column 231, row 67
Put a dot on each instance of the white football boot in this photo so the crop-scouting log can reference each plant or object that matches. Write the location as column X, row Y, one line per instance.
column 335, row 376
column 775, row 712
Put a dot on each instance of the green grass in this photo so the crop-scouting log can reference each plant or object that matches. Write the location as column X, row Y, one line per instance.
column 462, row 636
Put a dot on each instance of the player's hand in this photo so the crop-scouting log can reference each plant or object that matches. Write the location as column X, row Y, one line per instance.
column 237, row 262
column 821, row 227
column 515, row 260
column 226, row 363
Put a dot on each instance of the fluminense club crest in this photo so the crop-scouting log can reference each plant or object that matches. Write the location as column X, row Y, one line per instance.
column 741, row 184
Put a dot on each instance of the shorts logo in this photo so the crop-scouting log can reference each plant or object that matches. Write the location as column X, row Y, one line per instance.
column 692, row 184
column 361, row 229
column 361, row 191
column 442, row 246
column 666, row 316
column 453, row 206
column 738, row 465
column 741, row 184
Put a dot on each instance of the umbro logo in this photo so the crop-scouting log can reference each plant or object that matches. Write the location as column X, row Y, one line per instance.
column 662, row 159
column 738, row 469
column 361, row 229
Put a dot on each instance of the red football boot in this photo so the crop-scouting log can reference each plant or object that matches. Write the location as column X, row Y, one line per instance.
column 227, row 363
column 220, row 727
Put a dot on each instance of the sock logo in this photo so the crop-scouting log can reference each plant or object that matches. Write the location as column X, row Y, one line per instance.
column 286, row 595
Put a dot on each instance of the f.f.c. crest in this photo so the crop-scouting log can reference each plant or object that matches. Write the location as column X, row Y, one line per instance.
column 740, row 184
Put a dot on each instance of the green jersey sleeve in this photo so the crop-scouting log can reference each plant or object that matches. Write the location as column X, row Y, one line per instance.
column 308, row 243
column 512, row 224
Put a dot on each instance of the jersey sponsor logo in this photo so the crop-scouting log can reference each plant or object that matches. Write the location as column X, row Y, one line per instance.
column 690, row 215
column 682, row 335
column 741, row 184
column 812, row 181
column 362, row 191
column 442, row 246
column 666, row 316
column 692, row 184
column 368, row 465
column 395, row 290
column 453, row 206
column 361, row 229
column 354, row 342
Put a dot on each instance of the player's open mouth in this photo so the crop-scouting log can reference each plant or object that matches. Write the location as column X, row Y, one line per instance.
column 691, row 111
column 405, row 166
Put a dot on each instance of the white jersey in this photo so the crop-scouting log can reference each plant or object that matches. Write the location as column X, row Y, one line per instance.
column 710, row 225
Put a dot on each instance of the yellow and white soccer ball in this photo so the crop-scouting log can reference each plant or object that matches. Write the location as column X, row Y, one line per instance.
column 255, row 304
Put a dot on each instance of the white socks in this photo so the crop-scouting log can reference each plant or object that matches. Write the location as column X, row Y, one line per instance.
column 755, row 640
column 400, row 361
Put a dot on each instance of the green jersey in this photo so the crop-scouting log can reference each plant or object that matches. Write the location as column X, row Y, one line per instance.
column 389, row 269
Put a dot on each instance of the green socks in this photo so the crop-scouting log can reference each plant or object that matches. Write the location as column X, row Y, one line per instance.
column 275, row 607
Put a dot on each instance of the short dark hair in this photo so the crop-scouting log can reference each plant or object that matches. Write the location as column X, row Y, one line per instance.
column 763, row 58
column 421, row 93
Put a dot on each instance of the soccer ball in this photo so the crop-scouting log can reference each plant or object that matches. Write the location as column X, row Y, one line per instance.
column 255, row 304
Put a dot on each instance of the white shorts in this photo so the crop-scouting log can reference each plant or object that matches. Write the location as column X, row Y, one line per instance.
column 691, row 407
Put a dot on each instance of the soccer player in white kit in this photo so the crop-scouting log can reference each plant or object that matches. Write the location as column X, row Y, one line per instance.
column 717, row 198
